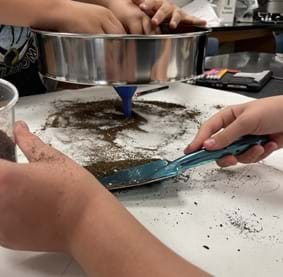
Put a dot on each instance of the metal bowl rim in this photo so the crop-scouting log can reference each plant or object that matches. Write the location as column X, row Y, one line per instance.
column 115, row 83
column 204, row 31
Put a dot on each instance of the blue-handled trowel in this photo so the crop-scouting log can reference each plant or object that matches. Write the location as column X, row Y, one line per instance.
column 162, row 169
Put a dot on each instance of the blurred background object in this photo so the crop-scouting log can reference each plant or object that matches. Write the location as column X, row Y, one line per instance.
column 212, row 47
column 275, row 6
column 226, row 10
column 203, row 9
column 278, row 36
column 245, row 10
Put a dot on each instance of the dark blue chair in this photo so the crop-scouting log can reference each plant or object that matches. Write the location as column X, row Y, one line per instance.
column 212, row 46
column 278, row 41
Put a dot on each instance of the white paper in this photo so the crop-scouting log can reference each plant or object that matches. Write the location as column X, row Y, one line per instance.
column 184, row 214
column 203, row 10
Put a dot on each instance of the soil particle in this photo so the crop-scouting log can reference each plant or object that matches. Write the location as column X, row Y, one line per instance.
column 219, row 107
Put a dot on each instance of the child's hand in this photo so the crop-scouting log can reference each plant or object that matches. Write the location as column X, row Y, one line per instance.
column 161, row 10
column 89, row 18
column 42, row 202
column 60, row 15
column 260, row 117
column 134, row 20
column 53, row 204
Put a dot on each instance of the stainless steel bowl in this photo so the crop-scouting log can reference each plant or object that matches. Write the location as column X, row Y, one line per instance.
column 123, row 59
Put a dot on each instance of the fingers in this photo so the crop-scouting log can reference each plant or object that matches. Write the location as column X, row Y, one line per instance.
column 146, row 24
column 179, row 16
column 227, row 161
column 114, row 26
column 233, row 128
column 31, row 145
column 136, row 27
column 163, row 13
column 156, row 30
column 253, row 155
column 148, row 28
column 250, row 156
column 176, row 18
column 149, row 6
column 114, row 29
column 268, row 149
column 163, row 10
column 277, row 138
column 193, row 20
column 233, row 122
column 229, row 134
column 211, row 126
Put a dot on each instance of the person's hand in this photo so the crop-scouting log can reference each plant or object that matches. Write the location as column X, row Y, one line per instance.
column 53, row 204
column 60, row 15
column 43, row 202
column 161, row 10
column 134, row 20
column 89, row 18
column 260, row 117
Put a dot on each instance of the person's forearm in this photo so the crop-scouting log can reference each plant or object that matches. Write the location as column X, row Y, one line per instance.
column 110, row 242
column 43, row 14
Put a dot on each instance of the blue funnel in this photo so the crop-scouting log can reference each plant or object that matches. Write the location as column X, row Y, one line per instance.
column 126, row 94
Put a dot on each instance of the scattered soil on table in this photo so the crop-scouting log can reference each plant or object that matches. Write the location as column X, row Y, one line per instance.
column 105, row 120
column 245, row 225
column 7, row 147
column 219, row 107
column 94, row 115
column 192, row 114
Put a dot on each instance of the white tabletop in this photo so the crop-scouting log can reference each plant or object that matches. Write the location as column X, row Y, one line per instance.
column 228, row 222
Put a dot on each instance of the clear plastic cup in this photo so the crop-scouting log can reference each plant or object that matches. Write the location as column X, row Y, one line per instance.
column 8, row 98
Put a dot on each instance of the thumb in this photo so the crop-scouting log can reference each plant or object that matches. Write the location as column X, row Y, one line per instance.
column 31, row 145
column 227, row 136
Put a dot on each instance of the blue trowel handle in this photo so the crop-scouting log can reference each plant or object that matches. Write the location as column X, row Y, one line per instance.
column 204, row 156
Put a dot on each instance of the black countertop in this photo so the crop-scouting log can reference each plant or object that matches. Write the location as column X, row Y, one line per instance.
column 248, row 25
column 253, row 62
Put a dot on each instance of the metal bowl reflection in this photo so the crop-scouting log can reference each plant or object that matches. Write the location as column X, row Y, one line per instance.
column 122, row 59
